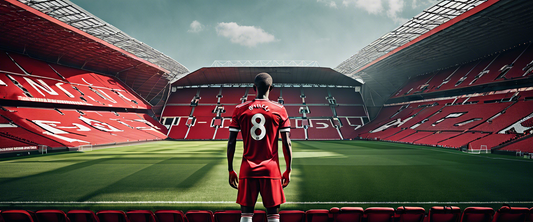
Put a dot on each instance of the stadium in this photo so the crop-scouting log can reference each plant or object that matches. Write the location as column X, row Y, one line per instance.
column 430, row 122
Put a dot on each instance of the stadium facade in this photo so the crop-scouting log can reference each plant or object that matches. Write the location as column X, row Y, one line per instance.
column 70, row 79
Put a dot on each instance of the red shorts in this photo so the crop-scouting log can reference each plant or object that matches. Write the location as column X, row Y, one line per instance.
column 270, row 189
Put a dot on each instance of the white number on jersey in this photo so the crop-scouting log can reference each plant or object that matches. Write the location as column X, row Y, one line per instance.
column 258, row 125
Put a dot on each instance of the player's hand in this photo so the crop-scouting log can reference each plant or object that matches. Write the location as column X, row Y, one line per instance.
column 286, row 178
column 233, row 179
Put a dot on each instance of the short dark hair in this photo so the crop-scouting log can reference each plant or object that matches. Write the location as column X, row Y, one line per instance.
column 262, row 81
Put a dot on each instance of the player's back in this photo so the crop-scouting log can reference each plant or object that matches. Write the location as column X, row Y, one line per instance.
column 260, row 122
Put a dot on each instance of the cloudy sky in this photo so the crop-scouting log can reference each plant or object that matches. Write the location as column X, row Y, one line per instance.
column 198, row 32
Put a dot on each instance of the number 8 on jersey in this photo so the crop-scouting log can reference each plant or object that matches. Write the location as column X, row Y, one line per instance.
column 258, row 126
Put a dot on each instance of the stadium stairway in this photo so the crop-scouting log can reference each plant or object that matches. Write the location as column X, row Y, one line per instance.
column 343, row 214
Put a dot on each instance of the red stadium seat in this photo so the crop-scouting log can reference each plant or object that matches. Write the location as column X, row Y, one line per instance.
column 347, row 214
column 51, row 216
column 82, row 216
column 259, row 216
column 346, row 96
column 511, row 214
column 291, row 95
column 235, row 215
column 291, row 216
column 199, row 216
column 170, row 215
column 530, row 215
column 317, row 215
column 112, row 216
column 315, row 95
column 379, row 214
column 444, row 214
column 228, row 216
column 477, row 214
column 141, row 216
column 410, row 214
column 18, row 216
column 233, row 95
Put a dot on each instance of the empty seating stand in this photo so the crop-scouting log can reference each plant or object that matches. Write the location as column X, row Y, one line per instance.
column 72, row 128
column 506, row 65
column 195, row 120
column 32, row 80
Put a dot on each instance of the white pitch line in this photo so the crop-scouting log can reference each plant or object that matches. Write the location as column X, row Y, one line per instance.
column 232, row 202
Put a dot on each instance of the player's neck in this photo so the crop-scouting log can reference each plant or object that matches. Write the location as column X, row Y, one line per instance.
column 262, row 96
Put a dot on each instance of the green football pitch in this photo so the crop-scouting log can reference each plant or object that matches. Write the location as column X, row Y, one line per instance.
column 193, row 175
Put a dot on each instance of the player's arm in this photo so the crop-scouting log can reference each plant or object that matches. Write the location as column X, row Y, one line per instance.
column 287, row 153
column 233, row 178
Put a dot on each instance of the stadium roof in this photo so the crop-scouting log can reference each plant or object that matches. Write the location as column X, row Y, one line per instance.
column 263, row 63
column 281, row 75
column 450, row 33
column 58, row 31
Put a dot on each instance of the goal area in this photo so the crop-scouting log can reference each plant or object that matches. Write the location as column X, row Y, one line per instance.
column 84, row 148
column 477, row 150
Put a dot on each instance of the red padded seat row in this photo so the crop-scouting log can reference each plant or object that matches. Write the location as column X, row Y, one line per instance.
column 52, row 216
column 18, row 216
column 511, row 214
column 346, row 96
column 209, row 95
column 233, row 95
column 291, row 95
column 315, row 95
column 477, row 214
column 112, row 216
column 292, row 216
column 82, row 216
column 410, row 214
column 350, row 111
column 444, row 214
column 170, row 215
column 347, row 214
column 182, row 96
column 379, row 214
column 235, row 216
column 199, row 216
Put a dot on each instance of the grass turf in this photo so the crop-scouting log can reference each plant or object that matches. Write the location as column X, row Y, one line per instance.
column 178, row 172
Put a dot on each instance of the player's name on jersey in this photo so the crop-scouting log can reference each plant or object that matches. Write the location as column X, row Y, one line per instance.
column 258, row 106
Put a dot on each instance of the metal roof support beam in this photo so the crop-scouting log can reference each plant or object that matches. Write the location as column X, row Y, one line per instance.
column 69, row 13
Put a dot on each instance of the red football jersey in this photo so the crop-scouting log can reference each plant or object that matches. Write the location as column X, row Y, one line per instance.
column 260, row 122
